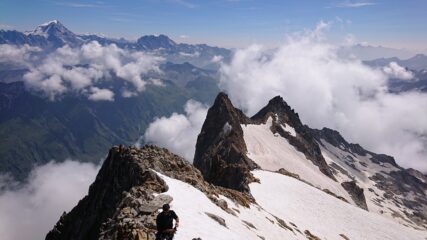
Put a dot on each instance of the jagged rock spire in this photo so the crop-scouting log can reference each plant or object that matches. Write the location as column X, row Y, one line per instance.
column 220, row 149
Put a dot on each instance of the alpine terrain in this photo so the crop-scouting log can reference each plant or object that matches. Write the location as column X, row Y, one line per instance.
column 36, row 129
column 262, row 177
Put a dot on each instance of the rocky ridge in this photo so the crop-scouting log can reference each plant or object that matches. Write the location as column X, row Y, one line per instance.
column 389, row 189
column 123, row 201
column 370, row 179
column 221, row 153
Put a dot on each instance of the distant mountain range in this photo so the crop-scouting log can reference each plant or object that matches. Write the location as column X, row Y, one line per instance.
column 417, row 62
column 52, row 35
column 36, row 130
column 417, row 65
column 368, row 52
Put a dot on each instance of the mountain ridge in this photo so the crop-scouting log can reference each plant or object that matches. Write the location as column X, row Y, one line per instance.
column 276, row 203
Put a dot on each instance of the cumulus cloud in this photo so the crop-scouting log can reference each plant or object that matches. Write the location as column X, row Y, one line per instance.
column 17, row 54
column 98, row 94
column 394, row 70
column 79, row 69
column 31, row 210
column 178, row 132
column 330, row 91
column 217, row 59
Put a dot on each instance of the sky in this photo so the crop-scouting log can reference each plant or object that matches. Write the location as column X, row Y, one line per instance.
column 229, row 23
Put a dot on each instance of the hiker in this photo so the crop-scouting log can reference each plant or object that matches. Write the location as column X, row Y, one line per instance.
column 164, row 221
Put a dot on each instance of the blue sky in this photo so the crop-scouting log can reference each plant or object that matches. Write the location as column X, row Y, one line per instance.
column 230, row 23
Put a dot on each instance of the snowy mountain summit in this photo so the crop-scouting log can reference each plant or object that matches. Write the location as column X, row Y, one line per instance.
column 262, row 177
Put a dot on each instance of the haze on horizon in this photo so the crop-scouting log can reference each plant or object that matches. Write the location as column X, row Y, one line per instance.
column 231, row 23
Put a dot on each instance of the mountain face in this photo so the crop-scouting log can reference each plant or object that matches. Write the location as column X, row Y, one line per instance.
column 51, row 130
column 57, row 34
column 52, row 35
column 275, row 139
column 36, row 130
column 264, row 177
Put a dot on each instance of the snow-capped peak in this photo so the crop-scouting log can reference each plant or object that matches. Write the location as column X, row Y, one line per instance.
column 49, row 28
column 49, row 22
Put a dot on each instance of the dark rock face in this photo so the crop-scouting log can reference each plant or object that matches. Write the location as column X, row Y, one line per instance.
column 220, row 149
column 123, row 201
column 119, row 174
column 356, row 193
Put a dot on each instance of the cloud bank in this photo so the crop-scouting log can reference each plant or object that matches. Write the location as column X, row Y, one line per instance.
column 82, row 70
column 30, row 211
column 330, row 91
column 15, row 54
column 178, row 132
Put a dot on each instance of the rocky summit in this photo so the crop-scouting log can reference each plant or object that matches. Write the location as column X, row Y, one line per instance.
column 268, row 176
column 123, row 201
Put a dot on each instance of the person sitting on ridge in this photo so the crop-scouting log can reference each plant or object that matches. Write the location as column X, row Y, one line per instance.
column 164, row 221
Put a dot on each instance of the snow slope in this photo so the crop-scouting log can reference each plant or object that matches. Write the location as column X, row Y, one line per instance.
column 272, row 152
column 301, row 207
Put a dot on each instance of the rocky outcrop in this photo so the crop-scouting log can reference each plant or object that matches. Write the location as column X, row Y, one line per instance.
column 356, row 193
column 220, row 150
column 407, row 191
column 123, row 201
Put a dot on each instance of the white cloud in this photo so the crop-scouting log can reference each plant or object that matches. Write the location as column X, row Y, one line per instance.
column 5, row 26
column 178, row 132
column 98, row 94
column 195, row 54
column 79, row 5
column 351, row 4
column 217, row 59
column 329, row 91
column 31, row 210
column 16, row 54
column 185, row 3
column 127, row 94
column 79, row 69
column 394, row 70
column 156, row 82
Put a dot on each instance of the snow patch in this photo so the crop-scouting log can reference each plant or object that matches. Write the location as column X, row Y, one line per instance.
column 289, row 129
column 227, row 128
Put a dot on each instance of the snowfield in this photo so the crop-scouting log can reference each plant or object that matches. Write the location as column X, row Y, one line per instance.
column 301, row 206
column 272, row 152
column 325, row 216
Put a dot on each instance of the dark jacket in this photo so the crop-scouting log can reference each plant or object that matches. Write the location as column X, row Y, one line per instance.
column 165, row 219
